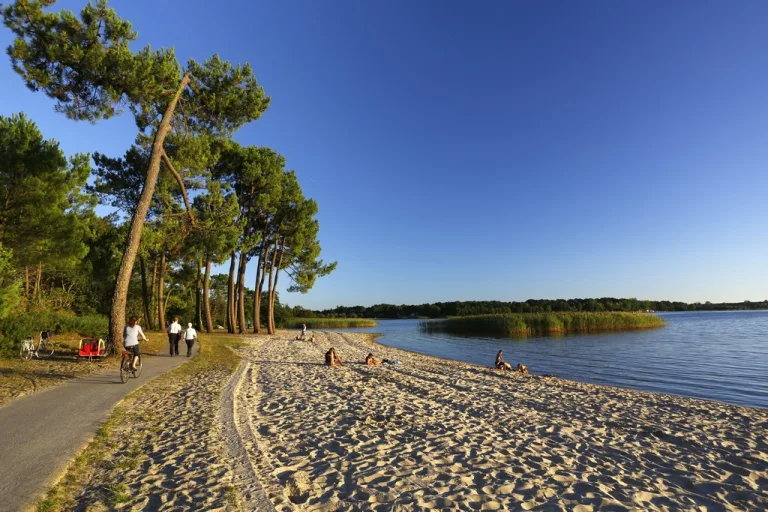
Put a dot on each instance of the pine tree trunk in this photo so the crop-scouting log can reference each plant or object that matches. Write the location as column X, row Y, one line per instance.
column 145, row 293
column 206, row 298
column 153, row 298
column 120, row 297
column 26, row 283
column 241, row 292
column 36, row 289
column 270, row 327
column 161, row 292
column 198, row 291
column 231, row 295
column 274, row 289
column 263, row 277
column 257, row 291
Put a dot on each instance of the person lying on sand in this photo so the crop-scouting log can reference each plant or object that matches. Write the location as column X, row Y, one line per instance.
column 522, row 368
column 500, row 364
column 372, row 361
column 332, row 359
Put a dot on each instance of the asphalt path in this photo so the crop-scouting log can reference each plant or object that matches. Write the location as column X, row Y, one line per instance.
column 40, row 434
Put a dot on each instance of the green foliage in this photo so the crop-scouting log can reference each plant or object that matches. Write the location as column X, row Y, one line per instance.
column 221, row 97
column 45, row 216
column 85, row 63
column 41, row 215
column 10, row 288
column 543, row 323
column 18, row 327
column 218, row 226
column 328, row 323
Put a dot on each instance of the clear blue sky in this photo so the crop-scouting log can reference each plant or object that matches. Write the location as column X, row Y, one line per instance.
column 496, row 150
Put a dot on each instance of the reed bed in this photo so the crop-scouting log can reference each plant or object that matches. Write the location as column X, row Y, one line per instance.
column 329, row 323
column 540, row 324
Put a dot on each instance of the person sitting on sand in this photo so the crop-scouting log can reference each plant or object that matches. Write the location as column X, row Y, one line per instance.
column 372, row 361
column 500, row 364
column 522, row 368
column 332, row 359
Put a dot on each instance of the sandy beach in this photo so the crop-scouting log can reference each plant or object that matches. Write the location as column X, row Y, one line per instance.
column 431, row 434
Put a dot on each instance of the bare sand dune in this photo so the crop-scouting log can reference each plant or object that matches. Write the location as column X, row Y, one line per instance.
column 438, row 435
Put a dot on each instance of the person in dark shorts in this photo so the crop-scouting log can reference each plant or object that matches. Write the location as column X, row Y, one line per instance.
column 131, row 335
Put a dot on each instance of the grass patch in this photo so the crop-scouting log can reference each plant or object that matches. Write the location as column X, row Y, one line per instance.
column 538, row 324
column 329, row 323
column 120, row 445
column 19, row 377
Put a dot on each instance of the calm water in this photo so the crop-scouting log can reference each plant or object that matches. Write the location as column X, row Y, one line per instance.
column 715, row 355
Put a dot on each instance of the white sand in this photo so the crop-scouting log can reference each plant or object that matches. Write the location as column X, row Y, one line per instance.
column 438, row 435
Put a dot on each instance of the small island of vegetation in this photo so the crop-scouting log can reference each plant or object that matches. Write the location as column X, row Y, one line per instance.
column 525, row 324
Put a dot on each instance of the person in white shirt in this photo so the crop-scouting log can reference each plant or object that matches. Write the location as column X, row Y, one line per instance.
column 174, row 334
column 190, row 335
column 131, row 335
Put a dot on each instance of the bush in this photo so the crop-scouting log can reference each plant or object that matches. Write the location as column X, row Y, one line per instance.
column 18, row 327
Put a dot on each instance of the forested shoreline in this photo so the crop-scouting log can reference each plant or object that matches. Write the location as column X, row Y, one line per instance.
column 468, row 308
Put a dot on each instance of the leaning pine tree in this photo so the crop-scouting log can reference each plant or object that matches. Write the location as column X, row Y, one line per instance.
column 87, row 66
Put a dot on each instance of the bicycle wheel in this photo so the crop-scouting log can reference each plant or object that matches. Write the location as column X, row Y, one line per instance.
column 26, row 351
column 125, row 369
column 46, row 348
column 138, row 368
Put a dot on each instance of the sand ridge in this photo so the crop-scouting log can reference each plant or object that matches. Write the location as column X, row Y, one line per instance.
column 432, row 434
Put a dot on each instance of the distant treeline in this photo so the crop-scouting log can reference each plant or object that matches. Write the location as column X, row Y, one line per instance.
column 445, row 309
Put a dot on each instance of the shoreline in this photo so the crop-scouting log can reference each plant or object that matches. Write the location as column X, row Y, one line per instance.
column 435, row 434
column 533, row 373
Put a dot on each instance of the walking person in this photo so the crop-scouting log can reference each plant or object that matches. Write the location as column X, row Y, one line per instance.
column 190, row 335
column 174, row 334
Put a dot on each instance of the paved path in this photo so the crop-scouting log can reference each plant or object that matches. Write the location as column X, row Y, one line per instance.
column 41, row 433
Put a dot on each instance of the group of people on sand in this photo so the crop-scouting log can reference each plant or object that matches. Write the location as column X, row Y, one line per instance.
column 175, row 334
column 303, row 335
column 502, row 365
column 333, row 359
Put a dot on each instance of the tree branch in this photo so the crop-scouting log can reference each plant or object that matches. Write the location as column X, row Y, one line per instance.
column 180, row 181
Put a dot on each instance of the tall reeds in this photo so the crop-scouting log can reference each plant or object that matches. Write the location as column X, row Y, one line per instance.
column 538, row 324
column 329, row 323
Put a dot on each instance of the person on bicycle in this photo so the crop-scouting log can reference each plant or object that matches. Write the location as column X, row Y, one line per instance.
column 131, row 339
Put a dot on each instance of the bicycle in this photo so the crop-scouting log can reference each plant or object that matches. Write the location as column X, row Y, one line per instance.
column 45, row 346
column 125, row 366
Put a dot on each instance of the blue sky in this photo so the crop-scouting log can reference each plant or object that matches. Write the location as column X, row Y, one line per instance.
column 496, row 150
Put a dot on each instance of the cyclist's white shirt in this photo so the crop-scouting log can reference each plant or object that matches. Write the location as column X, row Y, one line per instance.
column 131, row 335
column 174, row 328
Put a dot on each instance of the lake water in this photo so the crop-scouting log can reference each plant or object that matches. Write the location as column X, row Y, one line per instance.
column 713, row 355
